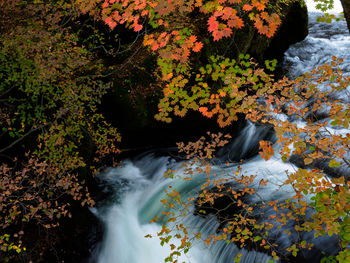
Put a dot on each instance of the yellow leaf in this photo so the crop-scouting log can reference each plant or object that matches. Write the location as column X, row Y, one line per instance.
column 308, row 161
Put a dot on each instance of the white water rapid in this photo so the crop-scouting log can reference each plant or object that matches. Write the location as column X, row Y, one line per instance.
column 139, row 185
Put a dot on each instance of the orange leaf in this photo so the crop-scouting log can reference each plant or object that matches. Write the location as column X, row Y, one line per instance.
column 197, row 46
column 247, row 7
column 138, row 27
column 203, row 109
column 105, row 4
column 236, row 22
column 260, row 6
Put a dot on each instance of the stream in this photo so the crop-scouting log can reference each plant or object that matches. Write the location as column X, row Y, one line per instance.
column 139, row 184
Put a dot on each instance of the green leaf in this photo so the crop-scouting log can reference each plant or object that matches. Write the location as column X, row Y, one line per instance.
column 256, row 238
column 333, row 163
column 238, row 258
column 346, row 237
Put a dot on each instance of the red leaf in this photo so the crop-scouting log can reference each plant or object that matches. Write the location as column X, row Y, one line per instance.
column 247, row 7
column 138, row 27
column 197, row 46
column 105, row 4
column 213, row 24
column 235, row 22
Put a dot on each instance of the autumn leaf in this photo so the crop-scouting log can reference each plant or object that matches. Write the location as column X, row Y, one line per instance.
column 203, row 109
column 308, row 161
column 267, row 150
column 236, row 22
column 213, row 24
column 197, row 46
column 105, row 4
column 260, row 6
column 247, row 7
column 138, row 27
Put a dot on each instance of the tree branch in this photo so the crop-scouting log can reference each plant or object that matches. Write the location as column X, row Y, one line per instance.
column 21, row 138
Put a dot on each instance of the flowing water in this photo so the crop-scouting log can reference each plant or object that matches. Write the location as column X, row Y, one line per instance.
column 138, row 186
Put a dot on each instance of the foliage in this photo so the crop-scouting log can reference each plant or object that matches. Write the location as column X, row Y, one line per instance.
column 225, row 88
column 221, row 88
column 222, row 17
column 324, row 6
column 172, row 37
column 52, row 85
column 315, row 139
column 50, row 91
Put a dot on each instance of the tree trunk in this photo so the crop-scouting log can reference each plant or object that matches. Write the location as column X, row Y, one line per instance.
column 346, row 7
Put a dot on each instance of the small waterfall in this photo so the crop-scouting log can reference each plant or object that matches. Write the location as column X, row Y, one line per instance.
column 140, row 192
column 247, row 143
column 139, row 185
